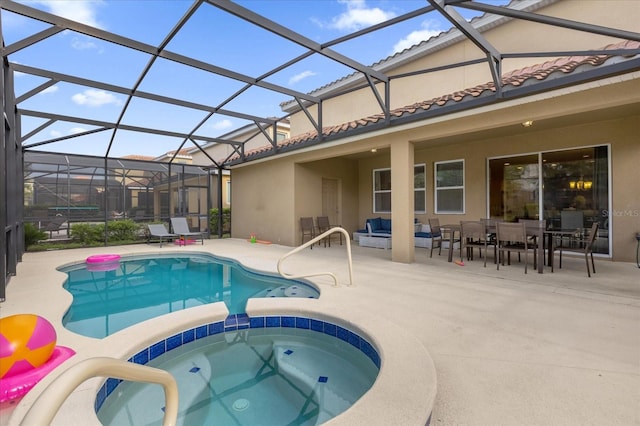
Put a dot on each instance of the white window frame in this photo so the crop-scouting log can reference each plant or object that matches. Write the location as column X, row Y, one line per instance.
column 383, row 191
column 228, row 184
column 423, row 210
column 374, row 192
column 437, row 189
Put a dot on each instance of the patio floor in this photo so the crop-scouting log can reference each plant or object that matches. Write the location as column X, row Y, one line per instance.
column 509, row 349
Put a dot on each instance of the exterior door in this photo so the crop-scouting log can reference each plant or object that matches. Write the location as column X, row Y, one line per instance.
column 331, row 201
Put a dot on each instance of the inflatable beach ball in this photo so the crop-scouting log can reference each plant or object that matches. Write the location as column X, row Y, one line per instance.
column 26, row 342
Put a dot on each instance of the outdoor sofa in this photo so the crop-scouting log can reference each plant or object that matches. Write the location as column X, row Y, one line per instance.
column 380, row 227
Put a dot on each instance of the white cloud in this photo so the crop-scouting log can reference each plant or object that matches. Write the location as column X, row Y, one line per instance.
column 95, row 98
column 77, row 10
column 222, row 124
column 301, row 76
column 358, row 16
column 55, row 134
column 50, row 89
column 429, row 29
column 76, row 130
column 83, row 44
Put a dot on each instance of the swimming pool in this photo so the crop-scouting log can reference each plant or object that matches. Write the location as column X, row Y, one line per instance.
column 138, row 288
column 277, row 371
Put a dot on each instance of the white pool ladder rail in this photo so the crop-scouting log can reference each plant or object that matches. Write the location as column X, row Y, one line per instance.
column 313, row 241
column 44, row 409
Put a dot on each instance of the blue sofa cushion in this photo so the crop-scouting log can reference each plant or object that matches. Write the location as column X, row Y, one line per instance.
column 426, row 234
column 375, row 224
column 385, row 224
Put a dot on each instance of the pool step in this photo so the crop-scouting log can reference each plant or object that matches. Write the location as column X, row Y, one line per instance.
column 298, row 364
column 282, row 291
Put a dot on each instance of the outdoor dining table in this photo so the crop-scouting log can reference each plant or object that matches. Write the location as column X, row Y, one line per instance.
column 532, row 231
column 536, row 230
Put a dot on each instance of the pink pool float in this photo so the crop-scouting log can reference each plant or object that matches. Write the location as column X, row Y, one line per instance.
column 103, row 262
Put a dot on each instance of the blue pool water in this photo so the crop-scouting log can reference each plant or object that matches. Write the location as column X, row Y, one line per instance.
column 143, row 287
column 256, row 376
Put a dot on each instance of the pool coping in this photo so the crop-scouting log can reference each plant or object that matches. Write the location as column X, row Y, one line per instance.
column 404, row 392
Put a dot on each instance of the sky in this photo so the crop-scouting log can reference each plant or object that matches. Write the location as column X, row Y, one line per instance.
column 210, row 35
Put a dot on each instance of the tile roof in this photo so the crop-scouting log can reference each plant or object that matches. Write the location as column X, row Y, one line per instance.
column 517, row 78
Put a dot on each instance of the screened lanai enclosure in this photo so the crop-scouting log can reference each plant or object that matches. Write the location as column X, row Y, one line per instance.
column 45, row 181
column 61, row 190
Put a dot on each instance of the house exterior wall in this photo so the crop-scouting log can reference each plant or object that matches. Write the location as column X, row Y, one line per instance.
column 603, row 112
column 596, row 115
column 362, row 103
column 264, row 206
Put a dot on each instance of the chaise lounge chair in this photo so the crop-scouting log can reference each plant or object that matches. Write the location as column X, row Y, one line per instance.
column 181, row 227
column 158, row 230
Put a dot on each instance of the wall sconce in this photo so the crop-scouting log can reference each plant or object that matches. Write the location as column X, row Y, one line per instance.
column 527, row 123
column 374, row 150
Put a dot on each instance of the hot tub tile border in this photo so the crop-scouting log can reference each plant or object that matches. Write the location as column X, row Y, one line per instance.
column 240, row 322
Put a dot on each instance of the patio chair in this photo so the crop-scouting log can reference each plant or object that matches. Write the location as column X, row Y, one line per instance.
column 472, row 235
column 308, row 230
column 436, row 236
column 180, row 226
column 533, row 242
column 512, row 237
column 55, row 224
column 323, row 226
column 159, row 231
column 587, row 250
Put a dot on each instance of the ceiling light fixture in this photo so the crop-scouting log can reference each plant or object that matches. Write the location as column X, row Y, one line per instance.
column 374, row 150
column 527, row 123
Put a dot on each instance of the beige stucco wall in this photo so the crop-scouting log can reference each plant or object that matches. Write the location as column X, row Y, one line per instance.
column 514, row 36
column 263, row 201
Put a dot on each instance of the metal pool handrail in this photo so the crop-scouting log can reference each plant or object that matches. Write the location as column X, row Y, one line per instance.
column 313, row 241
column 48, row 403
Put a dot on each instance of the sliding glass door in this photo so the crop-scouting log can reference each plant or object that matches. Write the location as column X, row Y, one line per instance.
column 568, row 188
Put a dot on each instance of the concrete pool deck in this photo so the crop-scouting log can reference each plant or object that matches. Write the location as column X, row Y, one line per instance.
column 508, row 348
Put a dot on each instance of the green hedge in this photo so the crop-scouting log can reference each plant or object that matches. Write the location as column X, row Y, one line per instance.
column 118, row 230
column 32, row 235
column 213, row 221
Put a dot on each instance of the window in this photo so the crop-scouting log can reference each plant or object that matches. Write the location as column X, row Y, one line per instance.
column 420, row 188
column 449, row 186
column 382, row 189
column 228, row 192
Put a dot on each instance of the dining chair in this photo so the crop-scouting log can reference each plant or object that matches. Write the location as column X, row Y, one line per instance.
column 308, row 230
column 436, row 236
column 512, row 237
column 490, row 226
column 533, row 240
column 324, row 225
column 473, row 235
column 587, row 250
